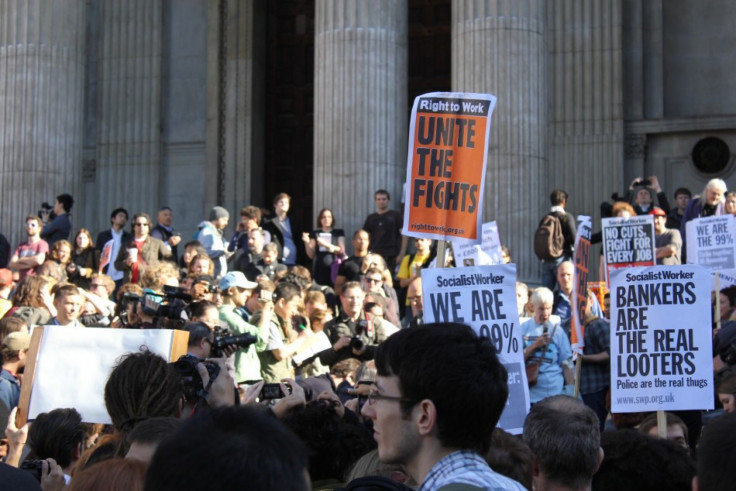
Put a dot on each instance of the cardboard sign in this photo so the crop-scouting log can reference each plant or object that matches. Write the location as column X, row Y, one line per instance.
column 710, row 242
column 446, row 165
column 580, row 283
column 487, row 253
column 484, row 297
column 661, row 341
column 69, row 367
column 628, row 242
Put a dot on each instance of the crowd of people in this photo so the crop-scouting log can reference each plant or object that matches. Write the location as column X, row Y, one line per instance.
column 309, row 364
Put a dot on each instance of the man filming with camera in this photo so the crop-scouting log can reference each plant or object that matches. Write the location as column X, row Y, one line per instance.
column 352, row 334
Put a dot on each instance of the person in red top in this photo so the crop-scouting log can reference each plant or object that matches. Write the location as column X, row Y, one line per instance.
column 142, row 251
column 32, row 253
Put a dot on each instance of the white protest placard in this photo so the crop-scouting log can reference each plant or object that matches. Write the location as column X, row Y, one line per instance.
column 484, row 297
column 661, row 341
column 73, row 365
column 628, row 242
column 488, row 252
column 710, row 242
column 726, row 278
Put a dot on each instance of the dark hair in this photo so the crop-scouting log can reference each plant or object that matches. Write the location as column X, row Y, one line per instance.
column 57, row 434
column 119, row 210
column 564, row 435
column 333, row 444
column 511, row 457
column 319, row 217
column 154, row 430
column 299, row 275
column 557, row 197
column 355, row 234
column 142, row 215
column 439, row 361
column 715, row 454
column 231, row 448
column 383, row 192
column 66, row 201
column 142, row 385
column 197, row 332
column 198, row 309
column 345, row 367
column 636, row 462
column 672, row 420
column 286, row 290
column 680, row 191
column 252, row 212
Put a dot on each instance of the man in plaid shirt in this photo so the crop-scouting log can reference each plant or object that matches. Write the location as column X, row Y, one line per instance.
column 595, row 374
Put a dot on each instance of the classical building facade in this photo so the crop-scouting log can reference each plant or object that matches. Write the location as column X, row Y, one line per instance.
column 191, row 103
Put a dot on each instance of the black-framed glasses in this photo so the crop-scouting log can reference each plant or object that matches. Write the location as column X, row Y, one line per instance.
column 374, row 396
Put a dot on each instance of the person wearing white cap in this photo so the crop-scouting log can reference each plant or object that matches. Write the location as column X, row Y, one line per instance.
column 235, row 290
column 14, row 349
column 211, row 237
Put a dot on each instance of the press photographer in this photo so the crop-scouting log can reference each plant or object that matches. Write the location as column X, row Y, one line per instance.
column 203, row 344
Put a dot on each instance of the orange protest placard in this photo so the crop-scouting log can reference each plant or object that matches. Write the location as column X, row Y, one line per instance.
column 446, row 165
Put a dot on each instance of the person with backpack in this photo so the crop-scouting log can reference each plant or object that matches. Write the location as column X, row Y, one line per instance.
column 554, row 239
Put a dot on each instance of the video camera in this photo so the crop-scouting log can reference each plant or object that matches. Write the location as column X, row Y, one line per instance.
column 224, row 337
column 356, row 342
column 170, row 305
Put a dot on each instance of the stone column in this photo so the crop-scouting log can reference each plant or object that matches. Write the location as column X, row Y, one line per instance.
column 41, row 83
column 129, row 145
column 498, row 47
column 360, row 106
column 586, row 130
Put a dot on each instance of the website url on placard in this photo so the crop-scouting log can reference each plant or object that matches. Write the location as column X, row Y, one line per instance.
column 423, row 227
column 646, row 399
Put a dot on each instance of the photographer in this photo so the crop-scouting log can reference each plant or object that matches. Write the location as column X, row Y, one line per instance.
column 235, row 290
column 351, row 334
column 283, row 340
column 642, row 193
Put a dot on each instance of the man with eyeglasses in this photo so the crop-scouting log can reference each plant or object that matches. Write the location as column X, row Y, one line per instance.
column 31, row 253
column 352, row 335
column 373, row 284
column 143, row 251
column 414, row 296
column 438, row 396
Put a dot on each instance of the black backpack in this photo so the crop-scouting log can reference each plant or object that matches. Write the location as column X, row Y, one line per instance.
column 549, row 242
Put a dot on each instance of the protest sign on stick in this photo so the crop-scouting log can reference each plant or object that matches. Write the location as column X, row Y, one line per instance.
column 580, row 292
column 710, row 242
column 628, row 242
column 486, row 253
column 446, row 165
column 68, row 367
column 661, row 342
column 484, row 297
